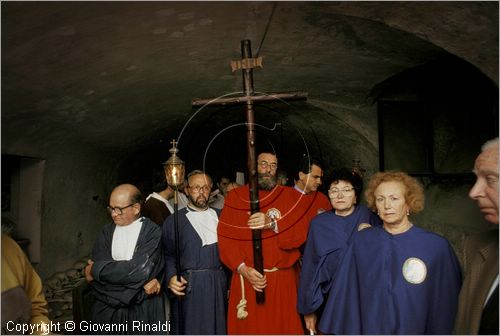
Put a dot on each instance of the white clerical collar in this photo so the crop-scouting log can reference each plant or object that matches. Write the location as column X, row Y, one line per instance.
column 296, row 187
column 204, row 223
column 159, row 197
column 124, row 240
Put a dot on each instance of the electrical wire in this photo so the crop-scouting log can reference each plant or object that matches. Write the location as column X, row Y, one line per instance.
column 275, row 4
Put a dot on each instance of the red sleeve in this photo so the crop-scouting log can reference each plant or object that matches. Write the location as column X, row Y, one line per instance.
column 232, row 231
column 306, row 208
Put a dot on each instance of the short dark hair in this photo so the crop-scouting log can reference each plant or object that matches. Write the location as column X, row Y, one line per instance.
column 136, row 197
column 219, row 179
column 199, row 172
column 264, row 145
column 159, row 181
column 305, row 164
column 348, row 175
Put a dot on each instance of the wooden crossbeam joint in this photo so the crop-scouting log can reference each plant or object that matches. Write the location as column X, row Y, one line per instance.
column 246, row 63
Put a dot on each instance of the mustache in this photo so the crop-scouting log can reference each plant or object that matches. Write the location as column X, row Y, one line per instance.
column 197, row 199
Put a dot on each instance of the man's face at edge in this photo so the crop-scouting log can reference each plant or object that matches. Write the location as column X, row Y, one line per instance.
column 485, row 190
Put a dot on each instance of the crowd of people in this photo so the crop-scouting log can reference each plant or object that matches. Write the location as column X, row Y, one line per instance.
column 331, row 265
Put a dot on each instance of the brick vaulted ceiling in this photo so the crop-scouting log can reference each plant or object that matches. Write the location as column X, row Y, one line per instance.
column 119, row 75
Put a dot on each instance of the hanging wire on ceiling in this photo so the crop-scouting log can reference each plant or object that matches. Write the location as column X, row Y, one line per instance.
column 275, row 4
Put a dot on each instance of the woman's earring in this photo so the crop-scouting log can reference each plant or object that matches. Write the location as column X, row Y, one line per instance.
column 407, row 212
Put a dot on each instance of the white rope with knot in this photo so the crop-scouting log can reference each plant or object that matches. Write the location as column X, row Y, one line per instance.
column 241, row 312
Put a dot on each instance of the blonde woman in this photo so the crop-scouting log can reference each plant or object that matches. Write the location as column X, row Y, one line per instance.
column 398, row 278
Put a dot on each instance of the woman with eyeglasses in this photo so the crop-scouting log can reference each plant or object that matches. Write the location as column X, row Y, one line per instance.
column 329, row 235
column 398, row 278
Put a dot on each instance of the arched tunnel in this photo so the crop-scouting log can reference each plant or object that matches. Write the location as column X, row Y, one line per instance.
column 93, row 93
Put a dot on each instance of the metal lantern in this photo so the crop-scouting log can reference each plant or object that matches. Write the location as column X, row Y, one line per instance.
column 174, row 168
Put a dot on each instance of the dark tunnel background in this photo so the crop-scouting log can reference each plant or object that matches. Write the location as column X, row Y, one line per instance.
column 93, row 93
column 454, row 101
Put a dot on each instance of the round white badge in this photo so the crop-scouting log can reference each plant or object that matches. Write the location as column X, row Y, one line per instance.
column 414, row 270
column 273, row 213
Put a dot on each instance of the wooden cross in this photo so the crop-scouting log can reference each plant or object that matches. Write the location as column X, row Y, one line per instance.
column 247, row 64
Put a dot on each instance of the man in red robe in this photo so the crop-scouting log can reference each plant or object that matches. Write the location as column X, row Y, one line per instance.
column 283, row 221
column 311, row 201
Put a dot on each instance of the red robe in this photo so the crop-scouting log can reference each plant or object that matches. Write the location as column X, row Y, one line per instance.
column 310, row 206
column 278, row 315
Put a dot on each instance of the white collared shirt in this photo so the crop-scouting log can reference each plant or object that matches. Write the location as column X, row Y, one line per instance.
column 299, row 190
column 125, row 239
column 205, row 224
column 492, row 289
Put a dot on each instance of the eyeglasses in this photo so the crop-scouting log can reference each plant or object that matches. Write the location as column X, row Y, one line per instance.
column 118, row 210
column 346, row 192
column 198, row 189
column 265, row 164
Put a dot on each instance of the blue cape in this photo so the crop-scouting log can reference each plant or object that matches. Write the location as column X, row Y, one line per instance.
column 394, row 284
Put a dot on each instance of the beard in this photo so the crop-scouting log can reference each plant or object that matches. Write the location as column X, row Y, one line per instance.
column 200, row 202
column 267, row 184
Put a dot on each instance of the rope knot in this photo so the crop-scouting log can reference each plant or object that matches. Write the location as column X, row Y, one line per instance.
column 241, row 308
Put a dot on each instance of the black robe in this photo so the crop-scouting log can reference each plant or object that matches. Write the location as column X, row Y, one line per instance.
column 118, row 285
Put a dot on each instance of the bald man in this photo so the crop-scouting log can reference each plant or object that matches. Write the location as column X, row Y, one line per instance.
column 478, row 301
column 126, row 269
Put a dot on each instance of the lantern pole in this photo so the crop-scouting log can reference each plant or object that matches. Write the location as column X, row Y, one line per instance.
column 174, row 172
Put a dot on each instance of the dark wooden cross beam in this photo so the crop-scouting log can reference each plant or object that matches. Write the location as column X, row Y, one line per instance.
column 247, row 64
